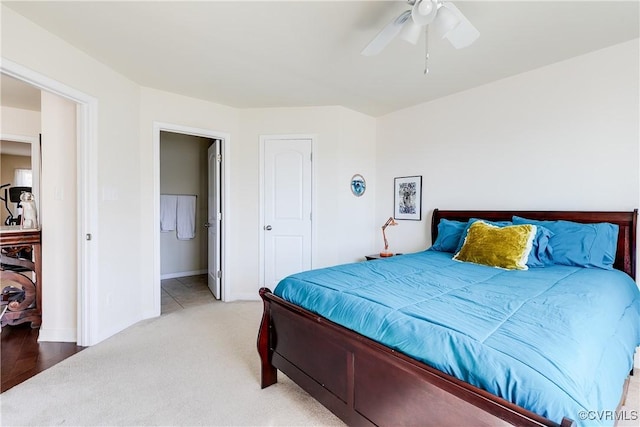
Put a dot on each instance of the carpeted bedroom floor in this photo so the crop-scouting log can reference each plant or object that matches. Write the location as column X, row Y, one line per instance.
column 198, row 366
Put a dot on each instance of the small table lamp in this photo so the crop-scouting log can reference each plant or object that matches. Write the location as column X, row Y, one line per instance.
column 385, row 252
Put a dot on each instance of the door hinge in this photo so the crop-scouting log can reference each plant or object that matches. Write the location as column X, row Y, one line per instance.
column 311, row 157
column 219, row 157
column 219, row 216
column 219, row 274
column 88, row 236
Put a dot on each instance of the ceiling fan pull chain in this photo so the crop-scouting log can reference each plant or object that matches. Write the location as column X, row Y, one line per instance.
column 426, row 50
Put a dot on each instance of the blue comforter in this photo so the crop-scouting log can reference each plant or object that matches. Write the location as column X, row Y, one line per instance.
column 556, row 340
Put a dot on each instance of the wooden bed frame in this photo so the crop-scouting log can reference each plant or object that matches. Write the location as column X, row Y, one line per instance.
column 365, row 383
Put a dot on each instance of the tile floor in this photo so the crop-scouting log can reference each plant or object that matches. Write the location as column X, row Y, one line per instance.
column 184, row 292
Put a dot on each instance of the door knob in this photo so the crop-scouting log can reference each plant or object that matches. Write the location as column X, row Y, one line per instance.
column 267, row 227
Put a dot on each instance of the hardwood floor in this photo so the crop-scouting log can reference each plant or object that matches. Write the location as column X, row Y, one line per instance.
column 23, row 357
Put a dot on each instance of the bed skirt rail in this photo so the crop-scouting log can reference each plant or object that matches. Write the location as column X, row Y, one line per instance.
column 365, row 383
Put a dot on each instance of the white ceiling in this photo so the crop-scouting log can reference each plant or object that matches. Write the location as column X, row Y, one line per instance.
column 306, row 53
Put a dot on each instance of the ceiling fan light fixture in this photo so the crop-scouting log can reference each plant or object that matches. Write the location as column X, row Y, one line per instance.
column 446, row 22
column 424, row 11
column 426, row 7
column 463, row 34
column 411, row 32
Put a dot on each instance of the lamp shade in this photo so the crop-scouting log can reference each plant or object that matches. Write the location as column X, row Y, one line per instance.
column 411, row 32
column 424, row 11
column 447, row 21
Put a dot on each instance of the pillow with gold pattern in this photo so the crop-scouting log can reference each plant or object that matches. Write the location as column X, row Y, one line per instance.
column 503, row 247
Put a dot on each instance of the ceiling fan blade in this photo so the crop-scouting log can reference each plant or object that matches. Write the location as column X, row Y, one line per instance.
column 464, row 33
column 387, row 34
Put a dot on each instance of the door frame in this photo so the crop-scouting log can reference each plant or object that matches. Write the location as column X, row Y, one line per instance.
column 225, row 185
column 87, row 190
column 261, row 224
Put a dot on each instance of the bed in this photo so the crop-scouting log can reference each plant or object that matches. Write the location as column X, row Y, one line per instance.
column 387, row 379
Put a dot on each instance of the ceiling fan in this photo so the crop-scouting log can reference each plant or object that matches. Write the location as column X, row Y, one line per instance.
column 447, row 21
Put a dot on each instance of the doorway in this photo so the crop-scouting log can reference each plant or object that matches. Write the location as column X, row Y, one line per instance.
column 189, row 203
column 85, row 201
column 181, row 169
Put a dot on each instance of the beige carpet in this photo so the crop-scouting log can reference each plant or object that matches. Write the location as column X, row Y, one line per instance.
column 197, row 366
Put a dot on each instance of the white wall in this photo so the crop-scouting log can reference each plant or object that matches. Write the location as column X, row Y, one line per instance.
column 117, row 239
column 17, row 121
column 58, row 220
column 562, row 137
column 183, row 170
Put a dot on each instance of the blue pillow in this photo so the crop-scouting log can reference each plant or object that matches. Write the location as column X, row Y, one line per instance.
column 581, row 245
column 449, row 233
column 540, row 254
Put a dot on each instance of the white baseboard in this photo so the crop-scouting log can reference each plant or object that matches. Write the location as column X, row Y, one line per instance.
column 182, row 274
column 243, row 296
column 57, row 335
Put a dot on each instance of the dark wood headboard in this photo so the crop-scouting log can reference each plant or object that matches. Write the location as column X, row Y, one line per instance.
column 627, row 221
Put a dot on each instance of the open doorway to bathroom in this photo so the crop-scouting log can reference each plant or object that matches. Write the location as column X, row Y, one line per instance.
column 187, row 246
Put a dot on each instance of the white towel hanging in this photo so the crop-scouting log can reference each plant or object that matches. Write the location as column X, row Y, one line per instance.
column 168, row 208
column 186, row 217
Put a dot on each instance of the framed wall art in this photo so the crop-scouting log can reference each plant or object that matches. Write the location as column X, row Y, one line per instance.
column 407, row 198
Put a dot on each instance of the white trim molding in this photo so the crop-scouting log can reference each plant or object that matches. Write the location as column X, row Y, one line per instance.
column 182, row 274
column 56, row 335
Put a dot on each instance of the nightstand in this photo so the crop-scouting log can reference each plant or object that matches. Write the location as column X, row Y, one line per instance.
column 377, row 256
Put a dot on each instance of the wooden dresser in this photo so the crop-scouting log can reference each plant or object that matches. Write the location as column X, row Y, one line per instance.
column 21, row 276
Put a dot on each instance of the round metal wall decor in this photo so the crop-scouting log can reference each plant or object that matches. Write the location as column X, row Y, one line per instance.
column 358, row 185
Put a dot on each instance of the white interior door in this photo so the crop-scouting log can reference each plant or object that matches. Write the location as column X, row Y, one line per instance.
column 214, row 219
column 287, row 208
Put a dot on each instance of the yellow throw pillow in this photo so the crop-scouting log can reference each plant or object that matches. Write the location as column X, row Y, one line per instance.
column 504, row 247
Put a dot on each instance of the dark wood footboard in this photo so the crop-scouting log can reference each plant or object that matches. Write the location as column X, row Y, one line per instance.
column 366, row 383
column 268, row 373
